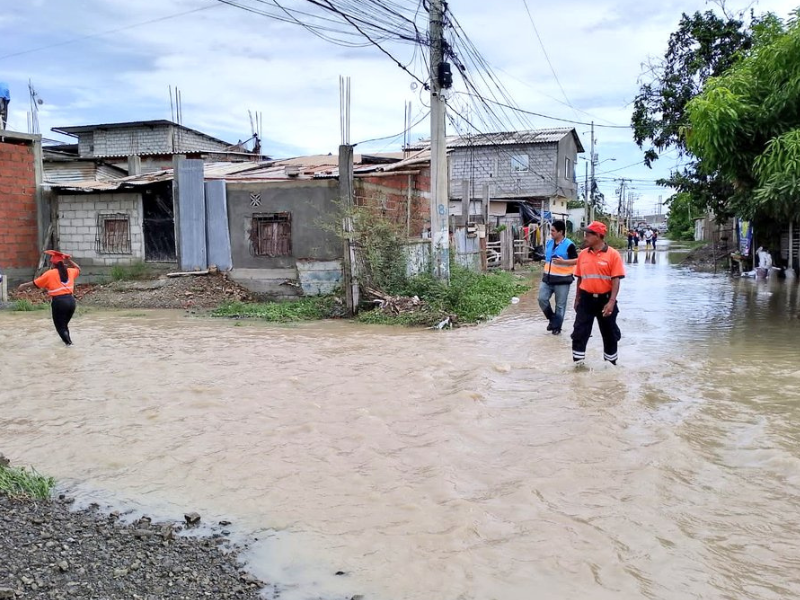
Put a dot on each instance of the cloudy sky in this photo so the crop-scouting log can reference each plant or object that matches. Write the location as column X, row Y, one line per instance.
column 99, row 61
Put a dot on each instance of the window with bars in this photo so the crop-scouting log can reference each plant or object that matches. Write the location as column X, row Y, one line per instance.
column 271, row 234
column 113, row 234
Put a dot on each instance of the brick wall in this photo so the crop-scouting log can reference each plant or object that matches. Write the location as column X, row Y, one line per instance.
column 78, row 226
column 388, row 194
column 18, row 218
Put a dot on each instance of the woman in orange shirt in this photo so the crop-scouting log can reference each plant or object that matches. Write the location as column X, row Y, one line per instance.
column 60, row 285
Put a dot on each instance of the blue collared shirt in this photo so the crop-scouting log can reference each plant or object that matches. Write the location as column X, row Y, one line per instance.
column 4, row 92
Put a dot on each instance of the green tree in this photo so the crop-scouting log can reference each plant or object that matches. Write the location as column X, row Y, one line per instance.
column 683, row 210
column 704, row 45
column 745, row 126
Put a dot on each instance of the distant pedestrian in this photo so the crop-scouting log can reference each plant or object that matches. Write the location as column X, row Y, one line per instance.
column 655, row 238
column 648, row 238
column 630, row 239
column 60, row 285
column 560, row 258
column 5, row 98
column 599, row 270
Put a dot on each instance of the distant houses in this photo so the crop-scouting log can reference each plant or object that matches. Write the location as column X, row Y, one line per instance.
column 174, row 197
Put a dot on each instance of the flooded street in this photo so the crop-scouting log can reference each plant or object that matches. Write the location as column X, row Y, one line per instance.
column 467, row 465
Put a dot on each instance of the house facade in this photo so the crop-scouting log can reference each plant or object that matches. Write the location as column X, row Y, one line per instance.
column 536, row 167
column 270, row 226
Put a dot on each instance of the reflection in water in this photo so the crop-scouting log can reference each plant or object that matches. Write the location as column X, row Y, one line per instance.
column 471, row 464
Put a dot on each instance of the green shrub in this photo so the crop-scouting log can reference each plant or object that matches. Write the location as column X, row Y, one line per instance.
column 310, row 308
column 20, row 482
column 471, row 297
column 138, row 270
column 26, row 305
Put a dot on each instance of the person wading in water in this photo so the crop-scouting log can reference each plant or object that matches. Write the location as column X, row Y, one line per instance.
column 599, row 271
column 560, row 258
column 60, row 285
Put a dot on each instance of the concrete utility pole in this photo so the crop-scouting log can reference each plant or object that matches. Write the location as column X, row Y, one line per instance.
column 440, row 200
column 620, row 204
column 593, row 160
column 586, row 209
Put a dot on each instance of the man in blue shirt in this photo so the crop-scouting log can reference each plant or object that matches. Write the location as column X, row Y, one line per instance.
column 5, row 98
column 560, row 258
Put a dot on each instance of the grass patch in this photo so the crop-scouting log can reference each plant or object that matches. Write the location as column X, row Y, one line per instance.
column 312, row 308
column 471, row 297
column 19, row 482
column 26, row 305
column 138, row 270
column 688, row 245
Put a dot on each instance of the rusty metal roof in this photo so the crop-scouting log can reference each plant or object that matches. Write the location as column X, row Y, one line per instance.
column 290, row 169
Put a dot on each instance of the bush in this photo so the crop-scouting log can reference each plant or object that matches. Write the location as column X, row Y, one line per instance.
column 470, row 298
column 311, row 308
column 26, row 305
column 138, row 270
column 19, row 482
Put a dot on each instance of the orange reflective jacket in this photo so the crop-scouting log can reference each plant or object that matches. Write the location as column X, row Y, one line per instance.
column 51, row 281
column 597, row 269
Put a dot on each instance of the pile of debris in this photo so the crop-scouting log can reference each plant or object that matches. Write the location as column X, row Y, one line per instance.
column 396, row 305
column 707, row 256
column 200, row 290
column 422, row 311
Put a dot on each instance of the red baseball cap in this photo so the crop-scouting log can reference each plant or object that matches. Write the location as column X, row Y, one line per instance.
column 597, row 227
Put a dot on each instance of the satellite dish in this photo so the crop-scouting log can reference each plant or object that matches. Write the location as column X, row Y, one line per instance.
column 414, row 86
column 40, row 102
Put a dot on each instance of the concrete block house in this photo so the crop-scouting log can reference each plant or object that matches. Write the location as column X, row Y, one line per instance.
column 536, row 167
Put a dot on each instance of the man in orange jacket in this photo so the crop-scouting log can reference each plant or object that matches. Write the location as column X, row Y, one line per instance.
column 599, row 271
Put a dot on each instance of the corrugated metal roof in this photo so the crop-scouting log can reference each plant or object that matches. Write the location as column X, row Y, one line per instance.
column 291, row 169
column 417, row 159
column 507, row 138
column 76, row 129
column 242, row 170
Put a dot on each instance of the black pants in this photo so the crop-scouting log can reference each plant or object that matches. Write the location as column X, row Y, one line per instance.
column 63, row 308
column 590, row 307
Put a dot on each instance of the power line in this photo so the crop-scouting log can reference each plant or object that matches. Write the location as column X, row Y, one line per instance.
column 374, row 29
column 536, row 114
column 636, row 164
column 541, row 43
column 391, row 137
column 109, row 32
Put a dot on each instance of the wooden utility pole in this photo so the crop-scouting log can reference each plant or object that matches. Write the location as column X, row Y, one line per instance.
column 440, row 201
column 351, row 286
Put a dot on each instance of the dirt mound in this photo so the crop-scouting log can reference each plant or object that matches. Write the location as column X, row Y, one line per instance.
column 706, row 256
column 195, row 291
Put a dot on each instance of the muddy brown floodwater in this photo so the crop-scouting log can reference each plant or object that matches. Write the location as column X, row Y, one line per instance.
column 473, row 464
